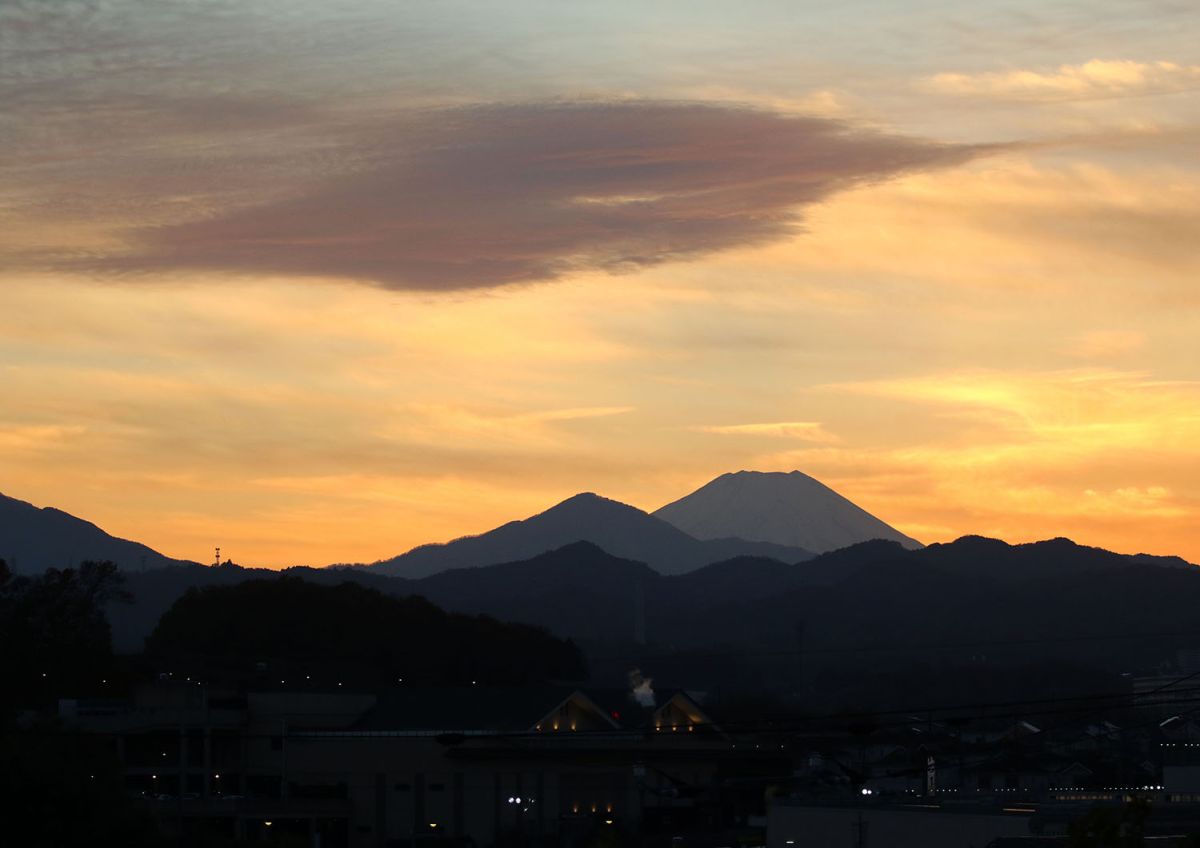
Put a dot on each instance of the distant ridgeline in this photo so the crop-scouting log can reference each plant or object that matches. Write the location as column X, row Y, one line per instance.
column 872, row 611
column 756, row 611
column 33, row 539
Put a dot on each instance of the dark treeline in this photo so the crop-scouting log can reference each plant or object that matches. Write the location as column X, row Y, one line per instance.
column 350, row 634
column 62, row 788
column 855, row 626
column 55, row 633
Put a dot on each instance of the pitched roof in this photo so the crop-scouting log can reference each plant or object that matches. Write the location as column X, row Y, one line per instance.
column 466, row 708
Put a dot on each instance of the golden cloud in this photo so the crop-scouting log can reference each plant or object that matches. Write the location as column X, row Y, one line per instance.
column 1098, row 78
column 807, row 431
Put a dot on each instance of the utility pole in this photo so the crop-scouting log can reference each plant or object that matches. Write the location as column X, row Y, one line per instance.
column 639, row 612
column 859, row 826
column 283, row 785
column 798, row 666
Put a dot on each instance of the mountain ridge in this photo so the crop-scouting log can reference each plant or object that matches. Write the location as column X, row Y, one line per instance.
column 33, row 539
column 620, row 529
column 785, row 508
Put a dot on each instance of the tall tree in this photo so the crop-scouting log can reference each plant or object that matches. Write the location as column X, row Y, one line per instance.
column 57, row 638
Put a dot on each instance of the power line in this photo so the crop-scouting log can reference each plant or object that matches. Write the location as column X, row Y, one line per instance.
column 684, row 653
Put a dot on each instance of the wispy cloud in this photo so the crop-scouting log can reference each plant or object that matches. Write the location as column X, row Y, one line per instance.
column 807, row 431
column 1102, row 455
column 1105, row 344
column 1097, row 78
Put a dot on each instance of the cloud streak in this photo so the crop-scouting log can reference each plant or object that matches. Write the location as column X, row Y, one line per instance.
column 807, row 431
column 1097, row 78
column 486, row 196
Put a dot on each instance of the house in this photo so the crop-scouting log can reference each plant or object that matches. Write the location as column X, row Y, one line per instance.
column 492, row 765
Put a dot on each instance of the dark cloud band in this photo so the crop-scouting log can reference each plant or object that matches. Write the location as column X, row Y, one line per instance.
column 488, row 196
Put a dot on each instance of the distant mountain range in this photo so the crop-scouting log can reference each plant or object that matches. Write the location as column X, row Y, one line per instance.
column 786, row 517
column 33, row 539
column 618, row 528
column 789, row 509
column 972, row 600
column 637, row 592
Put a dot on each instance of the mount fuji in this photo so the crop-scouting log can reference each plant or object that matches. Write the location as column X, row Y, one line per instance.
column 782, row 508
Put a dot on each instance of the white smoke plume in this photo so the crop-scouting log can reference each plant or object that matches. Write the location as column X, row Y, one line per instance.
column 642, row 689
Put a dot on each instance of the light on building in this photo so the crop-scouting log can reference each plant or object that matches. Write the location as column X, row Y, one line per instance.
column 268, row 823
column 608, row 821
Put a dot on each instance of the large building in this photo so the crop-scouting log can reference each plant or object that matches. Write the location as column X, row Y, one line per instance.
column 539, row 765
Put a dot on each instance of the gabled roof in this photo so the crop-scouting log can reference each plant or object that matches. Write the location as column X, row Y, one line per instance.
column 462, row 709
column 684, row 702
column 580, row 699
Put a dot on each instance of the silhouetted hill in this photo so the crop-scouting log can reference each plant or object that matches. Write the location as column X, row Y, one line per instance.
column 578, row 589
column 619, row 529
column 33, row 539
column 997, row 560
column 349, row 633
column 872, row 607
column 782, row 508
column 153, row 592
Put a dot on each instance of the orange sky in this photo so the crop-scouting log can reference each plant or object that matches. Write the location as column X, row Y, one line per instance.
column 389, row 277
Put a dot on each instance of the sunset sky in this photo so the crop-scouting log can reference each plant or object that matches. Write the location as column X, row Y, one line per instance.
column 321, row 281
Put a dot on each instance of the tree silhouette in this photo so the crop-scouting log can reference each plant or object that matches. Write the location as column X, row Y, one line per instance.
column 57, row 640
column 357, row 633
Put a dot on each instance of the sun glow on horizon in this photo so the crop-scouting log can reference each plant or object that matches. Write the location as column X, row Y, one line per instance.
column 324, row 301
